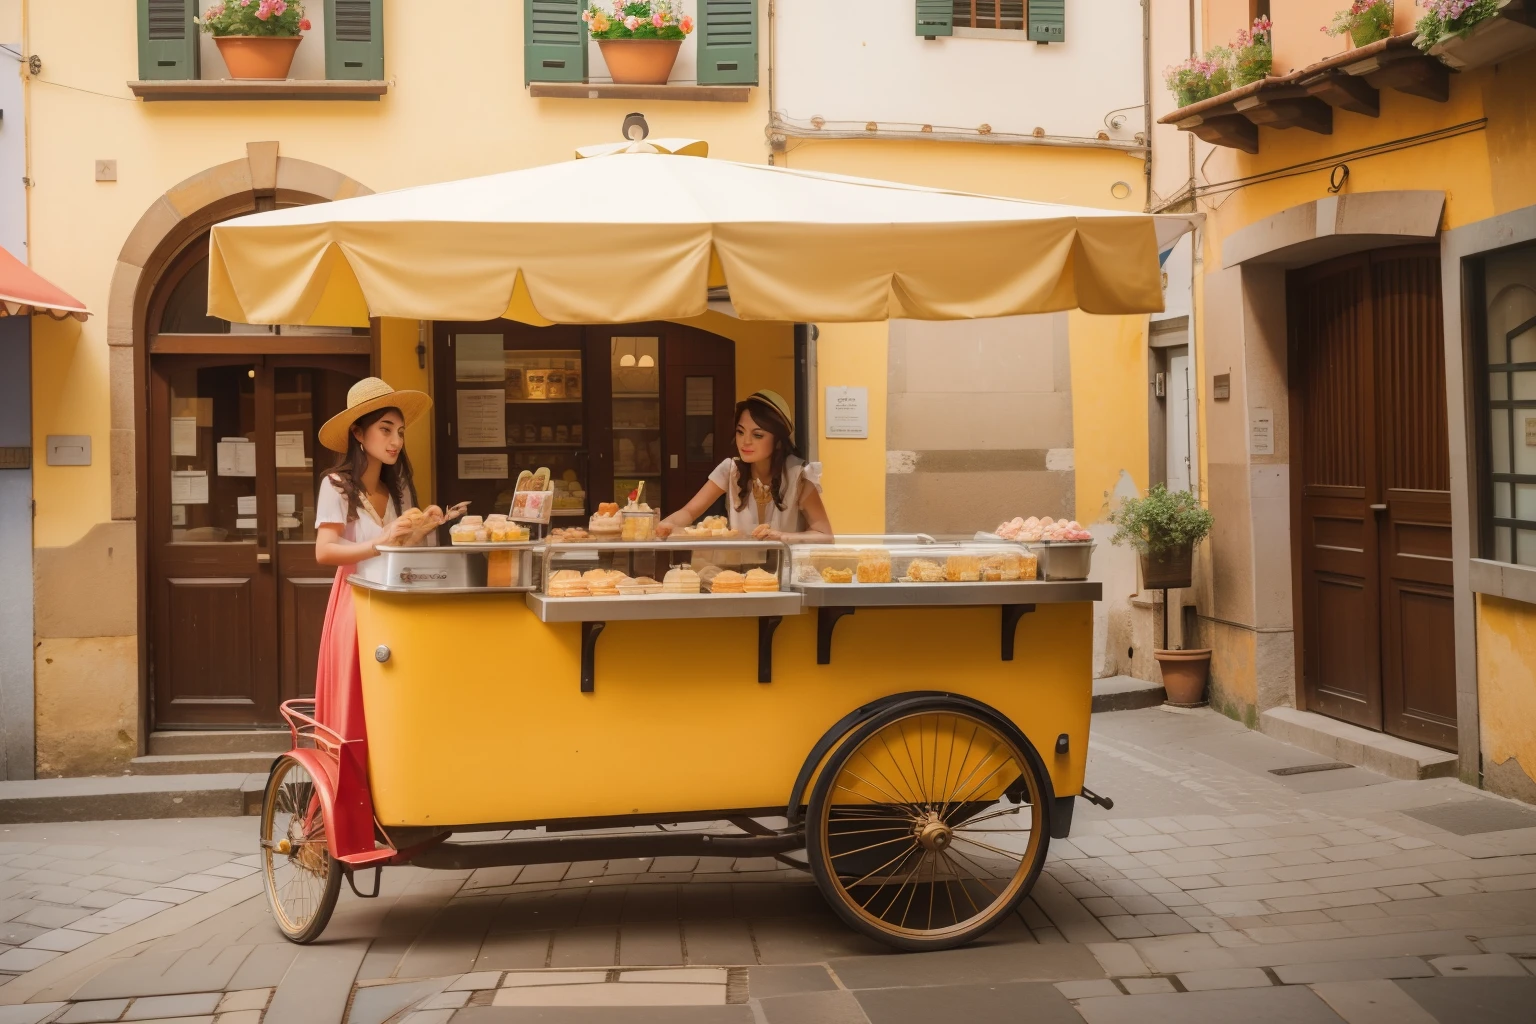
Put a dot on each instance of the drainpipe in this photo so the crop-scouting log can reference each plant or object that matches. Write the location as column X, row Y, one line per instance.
column 771, row 109
column 1146, row 96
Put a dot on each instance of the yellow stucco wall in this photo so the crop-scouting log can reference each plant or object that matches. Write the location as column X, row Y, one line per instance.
column 1506, row 694
column 854, row 355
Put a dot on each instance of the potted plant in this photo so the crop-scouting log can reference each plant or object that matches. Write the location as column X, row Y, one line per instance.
column 1467, row 34
column 256, row 38
column 1164, row 527
column 1364, row 21
column 1253, row 56
column 640, row 39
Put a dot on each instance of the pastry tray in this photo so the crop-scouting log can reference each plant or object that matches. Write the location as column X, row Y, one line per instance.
column 925, row 595
column 663, row 606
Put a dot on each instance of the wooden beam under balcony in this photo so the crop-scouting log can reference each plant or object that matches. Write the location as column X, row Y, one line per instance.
column 1346, row 92
column 1406, row 70
column 1287, row 107
column 1231, row 130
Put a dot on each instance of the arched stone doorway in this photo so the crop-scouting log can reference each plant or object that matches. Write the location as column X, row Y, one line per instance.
column 160, row 346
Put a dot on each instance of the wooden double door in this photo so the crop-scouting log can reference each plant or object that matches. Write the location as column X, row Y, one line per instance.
column 237, row 600
column 1370, row 486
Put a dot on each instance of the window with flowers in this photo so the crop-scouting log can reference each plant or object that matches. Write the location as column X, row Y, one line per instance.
column 1504, row 342
column 341, row 40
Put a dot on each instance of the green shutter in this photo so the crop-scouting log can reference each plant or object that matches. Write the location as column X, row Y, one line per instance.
column 168, row 39
column 1048, row 21
column 354, row 40
column 935, row 18
column 727, row 42
column 554, row 41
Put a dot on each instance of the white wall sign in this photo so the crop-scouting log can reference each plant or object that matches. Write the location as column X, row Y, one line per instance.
column 847, row 412
column 483, row 419
column 1261, row 432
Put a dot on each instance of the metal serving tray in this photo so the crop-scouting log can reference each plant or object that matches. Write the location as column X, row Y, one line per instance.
column 928, row 595
column 663, row 606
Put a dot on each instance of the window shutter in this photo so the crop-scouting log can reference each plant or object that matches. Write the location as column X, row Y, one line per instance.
column 727, row 42
column 354, row 40
column 935, row 18
column 554, row 41
column 1048, row 21
column 168, row 39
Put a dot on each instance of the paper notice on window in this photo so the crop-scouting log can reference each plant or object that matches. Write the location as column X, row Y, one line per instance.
column 483, row 419
column 847, row 412
column 189, row 487
column 1261, row 432
column 482, row 467
column 287, row 523
column 245, row 505
column 183, row 435
column 245, row 524
column 236, row 457
column 478, row 357
column 178, row 515
column 286, row 504
column 290, row 449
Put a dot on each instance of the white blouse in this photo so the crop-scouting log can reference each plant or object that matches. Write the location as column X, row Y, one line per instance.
column 798, row 474
column 331, row 510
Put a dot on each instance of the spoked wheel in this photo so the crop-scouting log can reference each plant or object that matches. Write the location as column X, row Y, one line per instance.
column 303, row 880
column 928, row 825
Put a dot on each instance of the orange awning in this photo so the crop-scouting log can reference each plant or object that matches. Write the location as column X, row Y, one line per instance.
column 23, row 292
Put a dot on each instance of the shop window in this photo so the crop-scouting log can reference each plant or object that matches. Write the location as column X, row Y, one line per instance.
column 1043, row 21
column 1507, row 304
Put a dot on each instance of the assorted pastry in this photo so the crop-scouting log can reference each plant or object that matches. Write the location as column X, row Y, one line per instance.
column 680, row 580
column 638, row 518
column 606, row 523
column 708, row 528
column 1035, row 529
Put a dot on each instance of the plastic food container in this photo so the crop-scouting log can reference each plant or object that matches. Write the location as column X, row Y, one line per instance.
column 639, row 525
column 1063, row 559
column 469, row 530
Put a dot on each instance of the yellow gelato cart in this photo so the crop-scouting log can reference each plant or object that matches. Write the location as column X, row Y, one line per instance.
column 913, row 714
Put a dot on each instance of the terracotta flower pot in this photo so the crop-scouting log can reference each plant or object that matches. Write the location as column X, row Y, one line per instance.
column 640, row 61
column 1184, row 674
column 258, row 56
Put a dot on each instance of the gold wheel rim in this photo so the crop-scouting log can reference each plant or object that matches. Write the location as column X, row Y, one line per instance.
column 917, row 836
column 298, row 874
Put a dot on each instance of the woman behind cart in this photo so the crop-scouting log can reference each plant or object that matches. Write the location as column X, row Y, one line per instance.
column 770, row 492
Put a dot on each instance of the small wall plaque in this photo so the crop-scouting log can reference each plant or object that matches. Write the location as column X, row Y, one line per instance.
column 1221, row 387
column 69, row 449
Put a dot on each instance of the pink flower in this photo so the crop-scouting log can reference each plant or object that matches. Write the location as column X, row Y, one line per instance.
column 631, row 22
column 686, row 24
column 264, row 11
column 656, row 20
column 279, row 7
column 304, row 25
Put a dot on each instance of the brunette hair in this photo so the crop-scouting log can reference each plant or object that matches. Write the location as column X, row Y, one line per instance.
column 348, row 471
column 773, row 421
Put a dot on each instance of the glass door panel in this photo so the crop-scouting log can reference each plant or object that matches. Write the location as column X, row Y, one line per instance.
column 634, row 363
column 212, row 480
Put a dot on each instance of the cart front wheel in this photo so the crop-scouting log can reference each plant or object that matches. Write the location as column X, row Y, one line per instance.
column 928, row 825
column 303, row 880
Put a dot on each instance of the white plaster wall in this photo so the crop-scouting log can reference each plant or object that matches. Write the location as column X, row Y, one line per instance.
column 861, row 61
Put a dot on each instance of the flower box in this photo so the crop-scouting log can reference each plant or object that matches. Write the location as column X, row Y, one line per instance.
column 1489, row 41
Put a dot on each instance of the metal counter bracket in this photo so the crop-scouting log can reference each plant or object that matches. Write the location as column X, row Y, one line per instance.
column 826, row 620
column 590, row 631
column 766, row 624
column 1012, row 613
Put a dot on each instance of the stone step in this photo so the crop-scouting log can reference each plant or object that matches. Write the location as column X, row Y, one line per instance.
column 201, row 764
column 219, row 741
column 130, row 797
column 1340, row 741
column 1125, row 693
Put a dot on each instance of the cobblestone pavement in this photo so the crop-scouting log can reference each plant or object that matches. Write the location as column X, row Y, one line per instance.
column 1214, row 891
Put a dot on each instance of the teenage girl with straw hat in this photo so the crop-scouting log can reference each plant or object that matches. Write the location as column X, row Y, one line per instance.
column 770, row 492
column 358, row 508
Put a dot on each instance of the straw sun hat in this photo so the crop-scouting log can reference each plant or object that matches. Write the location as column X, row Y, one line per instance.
column 369, row 395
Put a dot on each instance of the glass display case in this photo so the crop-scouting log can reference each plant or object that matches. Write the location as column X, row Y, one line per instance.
column 906, row 563
column 597, row 580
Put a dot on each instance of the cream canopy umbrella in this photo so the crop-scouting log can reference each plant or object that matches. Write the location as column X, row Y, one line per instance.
column 642, row 231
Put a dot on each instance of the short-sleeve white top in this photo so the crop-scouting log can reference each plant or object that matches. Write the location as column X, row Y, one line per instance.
column 331, row 508
column 798, row 475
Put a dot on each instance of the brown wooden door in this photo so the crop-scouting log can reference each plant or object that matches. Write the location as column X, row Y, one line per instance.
column 1371, row 493
column 237, row 601
column 700, row 401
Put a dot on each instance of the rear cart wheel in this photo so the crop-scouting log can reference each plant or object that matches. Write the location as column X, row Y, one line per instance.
column 303, row 880
column 928, row 825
